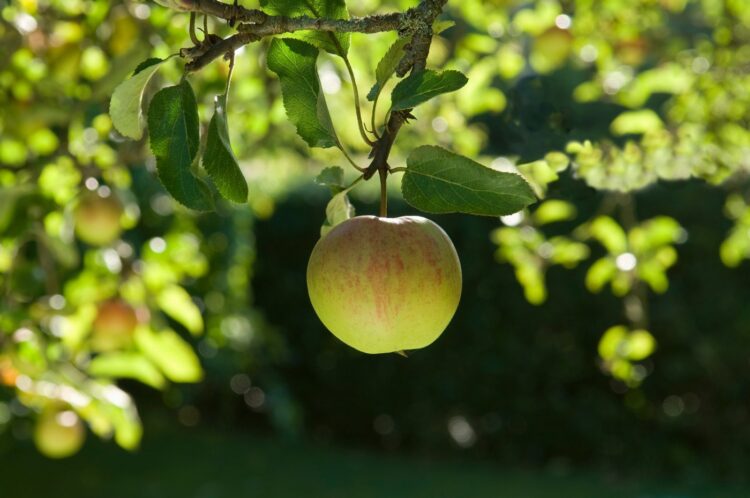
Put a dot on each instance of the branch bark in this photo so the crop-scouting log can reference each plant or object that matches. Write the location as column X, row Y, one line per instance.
column 255, row 24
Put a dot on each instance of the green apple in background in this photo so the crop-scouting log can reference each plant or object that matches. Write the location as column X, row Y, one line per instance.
column 383, row 285
column 632, row 51
column 59, row 434
column 113, row 326
column 551, row 49
column 97, row 219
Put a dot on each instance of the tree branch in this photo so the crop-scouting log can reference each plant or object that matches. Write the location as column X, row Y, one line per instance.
column 415, row 60
column 254, row 24
column 275, row 25
column 222, row 10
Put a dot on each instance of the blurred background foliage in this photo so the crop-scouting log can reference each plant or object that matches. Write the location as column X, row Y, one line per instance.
column 622, row 344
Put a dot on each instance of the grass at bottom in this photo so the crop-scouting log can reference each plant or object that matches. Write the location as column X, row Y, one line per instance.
column 200, row 464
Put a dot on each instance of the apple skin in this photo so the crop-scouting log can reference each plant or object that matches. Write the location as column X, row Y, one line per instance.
column 551, row 49
column 59, row 434
column 8, row 373
column 632, row 52
column 384, row 285
column 97, row 219
column 113, row 326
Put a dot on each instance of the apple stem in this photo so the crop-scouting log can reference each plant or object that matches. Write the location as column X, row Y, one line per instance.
column 383, row 193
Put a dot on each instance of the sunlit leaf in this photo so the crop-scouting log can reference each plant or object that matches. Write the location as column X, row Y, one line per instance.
column 609, row 233
column 177, row 303
column 218, row 158
column 125, row 107
column 654, row 275
column 294, row 62
column 422, row 86
column 332, row 177
column 168, row 351
column 387, row 66
column 640, row 345
column 566, row 252
column 532, row 279
column 611, row 342
column 338, row 210
column 439, row 181
column 129, row 365
column 601, row 272
column 552, row 211
column 636, row 122
column 669, row 78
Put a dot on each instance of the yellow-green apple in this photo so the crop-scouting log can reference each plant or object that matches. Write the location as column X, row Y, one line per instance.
column 383, row 285
column 113, row 326
column 551, row 49
column 59, row 434
column 97, row 219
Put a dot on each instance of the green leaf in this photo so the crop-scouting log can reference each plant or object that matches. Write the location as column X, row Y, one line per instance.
column 636, row 122
column 294, row 62
column 175, row 139
column 168, row 351
column 338, row 210
column 554, row 210
column 439, row 181
column 441, row 25
column 669, row 78
column 119, row 365
column 337, row 44
column 332, row 177
column 387, row 66
column 177, row 303
column 641, row 344
column 125, row 106
column 146, row 64
column 602, row 271
column 610, row 234
column 611, row 342
column 421, row 87
column 655, row 233
column 218, row 158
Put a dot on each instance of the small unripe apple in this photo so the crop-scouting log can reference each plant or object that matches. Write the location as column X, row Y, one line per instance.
column 59, row 434
column 113, row 326
column 8, row 373
column 632, row 52
column 97, row 219
column 383, row 285
column 551, row 49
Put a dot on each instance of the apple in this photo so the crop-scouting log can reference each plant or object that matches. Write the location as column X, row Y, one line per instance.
column 551, row 49
column 113, row 326
column 632, row 52
column 8, row 373
column 59, row 434
column 385, row 285
column 97, row 219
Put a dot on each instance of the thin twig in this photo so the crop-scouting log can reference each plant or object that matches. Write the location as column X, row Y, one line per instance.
column 357, row 107
column 256, row 24
column 349, row 158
